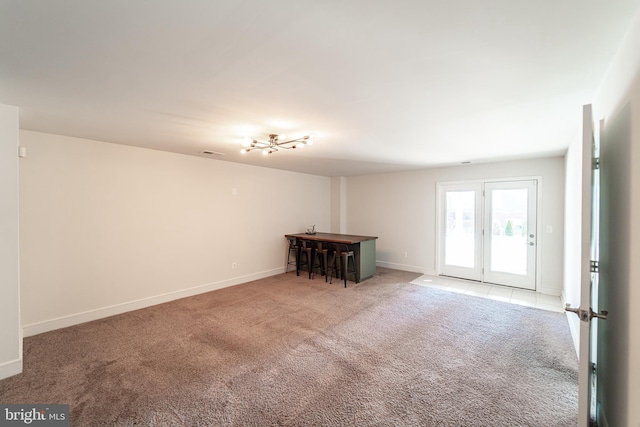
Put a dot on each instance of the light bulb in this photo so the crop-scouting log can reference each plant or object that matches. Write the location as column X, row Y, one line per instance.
column 246, row 141
column 265, row 151
column 244, row 151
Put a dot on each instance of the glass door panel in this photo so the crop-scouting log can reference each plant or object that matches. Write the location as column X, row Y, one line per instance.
column 509, row 231
column 460, row 230
column 461, row 223
column 510, row 237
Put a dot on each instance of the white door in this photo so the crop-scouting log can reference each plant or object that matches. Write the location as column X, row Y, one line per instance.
column 510, row 235
column 488, row 232
column 588, row 280
column 461, row 230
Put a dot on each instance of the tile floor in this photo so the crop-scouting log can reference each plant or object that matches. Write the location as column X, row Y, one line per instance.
column 496, row 292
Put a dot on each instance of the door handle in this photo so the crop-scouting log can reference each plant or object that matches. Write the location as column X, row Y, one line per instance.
column 602, row 315
column 586, row 315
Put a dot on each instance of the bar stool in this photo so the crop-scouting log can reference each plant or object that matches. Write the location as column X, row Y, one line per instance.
column 330, row 260
column 322, row 255
column 308, row 249
column 342, row 254
column 294, row 248
column 334, row 263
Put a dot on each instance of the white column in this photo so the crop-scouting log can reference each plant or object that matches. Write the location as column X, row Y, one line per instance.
column 10, row 331
column 339, row 204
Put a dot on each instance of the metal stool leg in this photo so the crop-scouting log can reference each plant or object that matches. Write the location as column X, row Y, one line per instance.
column 333, row 265
column 309, row 250
column 322, row 252
column 347, row 255
column 293, row 249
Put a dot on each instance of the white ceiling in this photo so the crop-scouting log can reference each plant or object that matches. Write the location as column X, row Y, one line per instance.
column 386, row 85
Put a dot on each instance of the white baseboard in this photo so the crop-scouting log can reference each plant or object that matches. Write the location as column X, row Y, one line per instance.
column 403, row 267
column 550, row 291
column 574, row 328
column 11, row 368
column 87, row 316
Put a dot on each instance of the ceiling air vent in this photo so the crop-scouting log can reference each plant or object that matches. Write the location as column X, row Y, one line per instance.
column 212, row 153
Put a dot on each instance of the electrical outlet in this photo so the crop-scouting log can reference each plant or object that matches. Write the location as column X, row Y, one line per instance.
column 404, row 254
column 234, row 265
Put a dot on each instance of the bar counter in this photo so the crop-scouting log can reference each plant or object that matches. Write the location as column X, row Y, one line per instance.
column 363, row 247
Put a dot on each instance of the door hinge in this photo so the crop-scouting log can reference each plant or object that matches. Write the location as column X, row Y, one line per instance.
column 595, row 266
column 596, row 163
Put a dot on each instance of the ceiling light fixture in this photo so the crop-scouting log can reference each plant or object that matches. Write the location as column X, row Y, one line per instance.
column 275, row 143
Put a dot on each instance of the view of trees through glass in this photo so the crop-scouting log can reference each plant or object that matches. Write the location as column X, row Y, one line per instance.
column 508, row 230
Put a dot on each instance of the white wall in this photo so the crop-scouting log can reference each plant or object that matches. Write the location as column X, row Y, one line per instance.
column 107, row 228
column 10, row 331
column 618, row 103
column 400, row 208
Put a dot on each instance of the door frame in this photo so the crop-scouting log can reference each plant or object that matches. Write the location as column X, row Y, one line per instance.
column 439, row 218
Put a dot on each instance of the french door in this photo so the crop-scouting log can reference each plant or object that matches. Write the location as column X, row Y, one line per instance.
column 488, row 231
column 589, row 337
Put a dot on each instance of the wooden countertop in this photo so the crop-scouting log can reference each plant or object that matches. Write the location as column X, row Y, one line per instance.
column 348, row 239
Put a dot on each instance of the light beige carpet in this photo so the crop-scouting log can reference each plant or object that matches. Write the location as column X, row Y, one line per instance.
column 296, row 352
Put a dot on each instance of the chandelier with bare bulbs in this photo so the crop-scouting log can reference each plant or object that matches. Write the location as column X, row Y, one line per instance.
column 275, row 143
